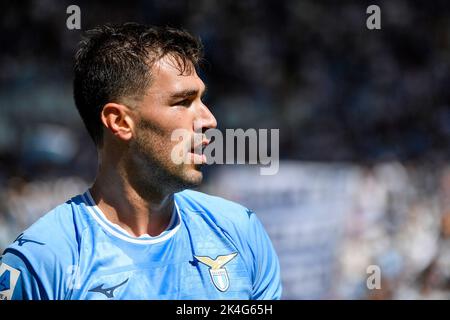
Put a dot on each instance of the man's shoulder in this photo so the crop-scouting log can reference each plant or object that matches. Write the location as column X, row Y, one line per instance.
column 44, row 255
column 53, row 237
column 222, row 211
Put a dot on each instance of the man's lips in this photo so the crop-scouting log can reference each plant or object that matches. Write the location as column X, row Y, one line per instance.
column 196, row 158
column 198, row 149
column 196, row 153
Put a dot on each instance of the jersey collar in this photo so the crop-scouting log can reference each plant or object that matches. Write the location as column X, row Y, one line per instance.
column 121, row 233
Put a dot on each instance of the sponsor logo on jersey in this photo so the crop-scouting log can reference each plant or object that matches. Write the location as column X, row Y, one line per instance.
column 218, row 273
column 21, row 241
column 108, row 292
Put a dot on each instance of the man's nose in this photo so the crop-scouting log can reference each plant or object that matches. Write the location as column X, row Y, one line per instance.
column 206, row 119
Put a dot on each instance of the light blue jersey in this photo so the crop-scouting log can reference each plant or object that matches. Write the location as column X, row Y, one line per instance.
column 212, row 249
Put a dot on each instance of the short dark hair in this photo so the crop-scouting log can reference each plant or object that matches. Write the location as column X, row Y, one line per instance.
column 114, row 62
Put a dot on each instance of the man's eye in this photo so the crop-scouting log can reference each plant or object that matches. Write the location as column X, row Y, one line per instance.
column 184, row 103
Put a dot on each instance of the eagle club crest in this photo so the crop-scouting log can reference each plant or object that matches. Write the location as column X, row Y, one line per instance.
column 219, row 275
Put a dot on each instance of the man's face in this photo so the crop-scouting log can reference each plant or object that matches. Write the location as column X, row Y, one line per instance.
column 172, row 102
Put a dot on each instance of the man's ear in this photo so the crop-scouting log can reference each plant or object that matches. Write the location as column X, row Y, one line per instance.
column 116, row 119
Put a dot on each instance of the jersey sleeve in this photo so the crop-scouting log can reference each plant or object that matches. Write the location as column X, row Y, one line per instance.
column 266, row 267
column 18, row 280
column 40, row 263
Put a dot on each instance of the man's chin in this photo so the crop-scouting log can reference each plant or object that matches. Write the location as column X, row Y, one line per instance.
column 191, row 177
column 194, row 176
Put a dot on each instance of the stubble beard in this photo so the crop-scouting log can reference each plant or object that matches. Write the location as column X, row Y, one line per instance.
column 151, row 170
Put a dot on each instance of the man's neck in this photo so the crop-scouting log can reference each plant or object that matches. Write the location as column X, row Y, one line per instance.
column 124, row 206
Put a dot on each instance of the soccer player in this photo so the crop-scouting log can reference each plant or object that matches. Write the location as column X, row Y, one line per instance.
column 138, row 232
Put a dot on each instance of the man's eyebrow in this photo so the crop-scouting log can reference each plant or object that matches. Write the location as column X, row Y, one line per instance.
column 187, row 93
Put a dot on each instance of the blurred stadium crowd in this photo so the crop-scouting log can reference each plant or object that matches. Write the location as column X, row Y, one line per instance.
column 376, row 101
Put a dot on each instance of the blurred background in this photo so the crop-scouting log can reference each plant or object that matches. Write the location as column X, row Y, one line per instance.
column 364, row 121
